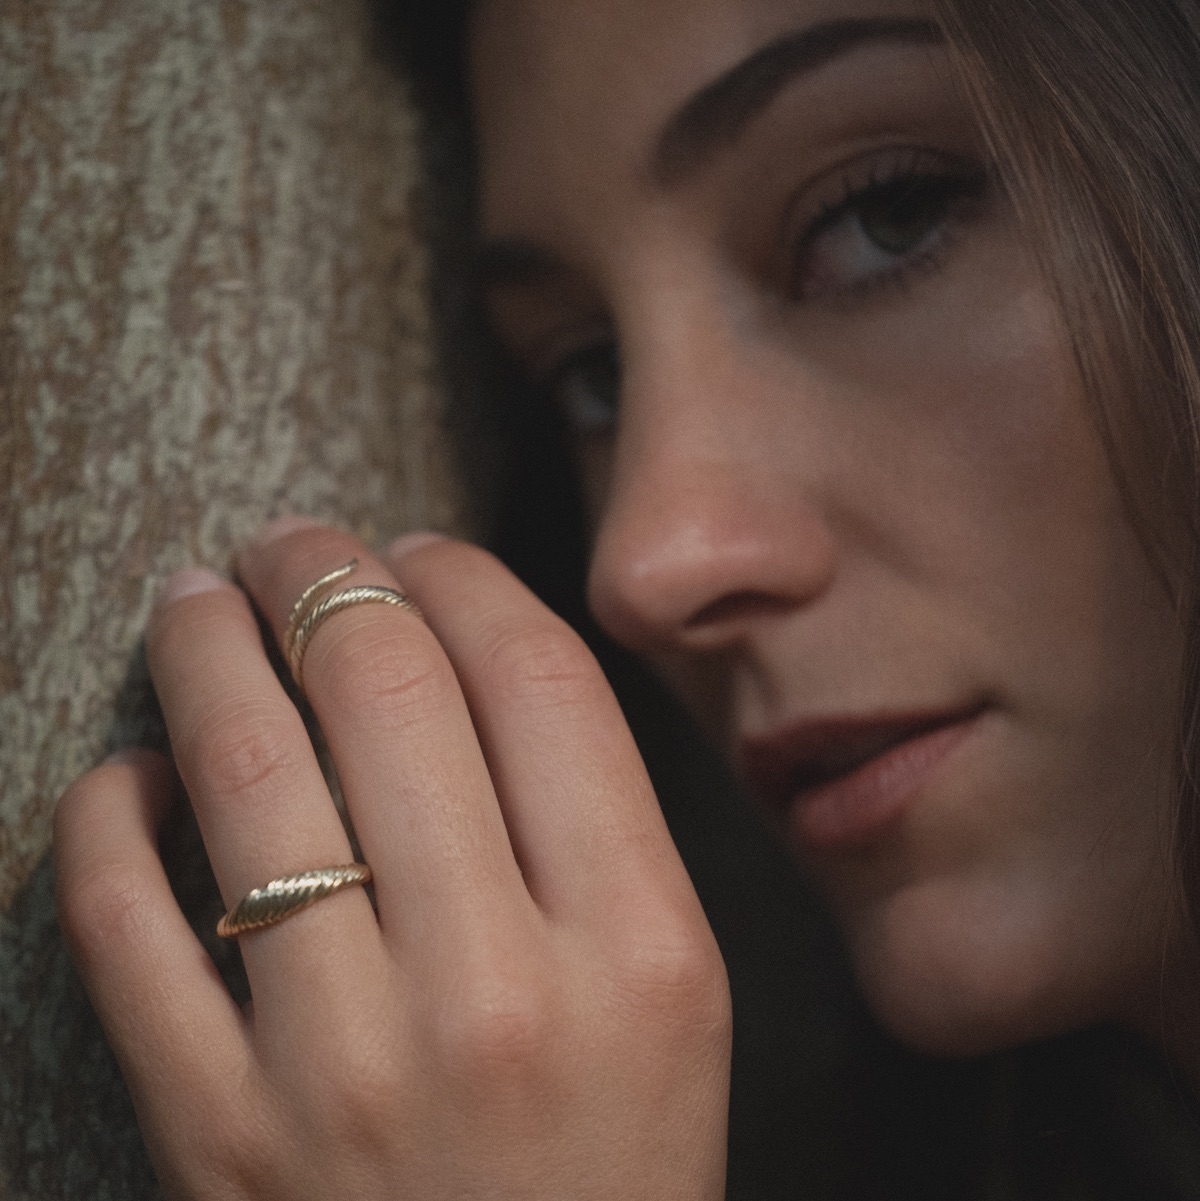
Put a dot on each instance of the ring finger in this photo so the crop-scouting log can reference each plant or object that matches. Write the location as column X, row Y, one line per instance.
column 260, row 799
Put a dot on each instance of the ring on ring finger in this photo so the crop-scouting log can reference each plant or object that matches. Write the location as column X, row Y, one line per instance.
column 280, row 899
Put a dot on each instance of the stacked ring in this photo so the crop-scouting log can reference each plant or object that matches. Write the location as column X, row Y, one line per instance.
column 310, row 611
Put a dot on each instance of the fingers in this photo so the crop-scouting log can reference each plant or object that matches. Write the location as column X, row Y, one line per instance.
column 415, row 780
column 482, row 755
column 557, row 783
column 165, row 1009
column 488, row 772
column 260, row 798
column 579, row 808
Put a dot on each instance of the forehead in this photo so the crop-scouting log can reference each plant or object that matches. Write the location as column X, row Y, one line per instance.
column 568, row 91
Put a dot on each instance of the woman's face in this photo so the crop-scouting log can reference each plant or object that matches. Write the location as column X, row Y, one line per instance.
column 839, row 462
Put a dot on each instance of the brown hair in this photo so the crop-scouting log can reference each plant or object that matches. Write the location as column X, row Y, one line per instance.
column 1092, row 109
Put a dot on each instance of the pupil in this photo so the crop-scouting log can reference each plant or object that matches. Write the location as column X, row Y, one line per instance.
column 902, row 216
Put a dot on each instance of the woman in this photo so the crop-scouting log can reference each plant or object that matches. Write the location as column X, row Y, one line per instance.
column 897, row 494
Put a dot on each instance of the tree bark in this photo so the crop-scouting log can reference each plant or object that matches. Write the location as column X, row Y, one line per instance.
column 212, row 310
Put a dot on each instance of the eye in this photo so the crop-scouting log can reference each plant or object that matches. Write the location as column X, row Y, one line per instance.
column 882, row 229
column 586, row 387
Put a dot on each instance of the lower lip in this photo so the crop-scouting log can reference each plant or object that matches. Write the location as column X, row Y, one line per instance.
column 853, row 809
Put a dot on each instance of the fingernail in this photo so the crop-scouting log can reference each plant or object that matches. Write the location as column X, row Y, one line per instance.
column 190, row 582
column 283, row 526
column 407, row 543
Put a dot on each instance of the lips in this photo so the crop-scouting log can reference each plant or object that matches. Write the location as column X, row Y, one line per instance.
column 841, row 781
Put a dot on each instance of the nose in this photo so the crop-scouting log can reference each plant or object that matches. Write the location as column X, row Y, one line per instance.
column 712, row 525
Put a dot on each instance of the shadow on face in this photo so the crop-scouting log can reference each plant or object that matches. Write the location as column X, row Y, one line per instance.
column 837, row 458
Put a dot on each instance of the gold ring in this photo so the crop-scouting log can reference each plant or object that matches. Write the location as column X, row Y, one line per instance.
column 289, row 894
column 309, row 612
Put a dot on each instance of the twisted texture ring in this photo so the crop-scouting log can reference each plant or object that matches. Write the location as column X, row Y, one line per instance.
column 309, row 612
column 281, row 898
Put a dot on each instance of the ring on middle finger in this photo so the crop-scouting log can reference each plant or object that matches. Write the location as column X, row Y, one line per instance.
column 311, row 610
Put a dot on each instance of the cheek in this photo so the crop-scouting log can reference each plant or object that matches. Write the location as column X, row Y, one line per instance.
column 981, row 478
column 1032, row 896
column 966, row 408
column 1026, row 527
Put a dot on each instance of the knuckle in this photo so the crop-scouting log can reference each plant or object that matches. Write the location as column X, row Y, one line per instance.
column 383, row 677
column 236, row 1147
column 673, row 972
column 104, row 906
column 361, row 1086
column 243, row 750
column 545, row 660
column 237, row 1162
column 501, row 1033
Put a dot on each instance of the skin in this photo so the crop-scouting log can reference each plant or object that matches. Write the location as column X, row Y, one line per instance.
column 813, row 499
column 845, row 489
column 538, row 1010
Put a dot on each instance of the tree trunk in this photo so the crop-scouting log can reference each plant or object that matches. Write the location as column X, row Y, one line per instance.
column 212, row 310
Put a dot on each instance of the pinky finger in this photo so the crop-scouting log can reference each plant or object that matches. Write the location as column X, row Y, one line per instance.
column 178, row 1035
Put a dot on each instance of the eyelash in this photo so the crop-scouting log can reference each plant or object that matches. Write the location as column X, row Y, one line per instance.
column 955, row 182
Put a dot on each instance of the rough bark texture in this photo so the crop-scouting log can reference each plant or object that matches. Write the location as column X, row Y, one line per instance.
column 212, row 310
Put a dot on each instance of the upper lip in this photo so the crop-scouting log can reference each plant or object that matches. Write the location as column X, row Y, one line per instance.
column 812, row 752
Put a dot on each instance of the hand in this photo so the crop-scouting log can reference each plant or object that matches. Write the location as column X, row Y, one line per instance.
column 537, row 1009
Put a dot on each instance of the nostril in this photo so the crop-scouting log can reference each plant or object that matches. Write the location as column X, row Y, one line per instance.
column 739, row 606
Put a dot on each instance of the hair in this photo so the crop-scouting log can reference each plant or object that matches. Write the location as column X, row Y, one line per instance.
column 433, row 36
column 1092, row 112
column 1091, row 109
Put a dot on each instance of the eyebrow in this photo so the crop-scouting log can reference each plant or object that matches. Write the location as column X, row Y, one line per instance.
column 719, row 114
column 714, row 118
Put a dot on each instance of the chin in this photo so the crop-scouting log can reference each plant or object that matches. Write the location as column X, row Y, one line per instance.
column 951, row 981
